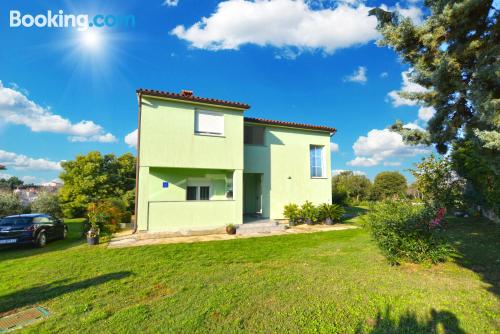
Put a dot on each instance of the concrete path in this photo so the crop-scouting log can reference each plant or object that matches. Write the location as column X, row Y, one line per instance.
column 125, row 239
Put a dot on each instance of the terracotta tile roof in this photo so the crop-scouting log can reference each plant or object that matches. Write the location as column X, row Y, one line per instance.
column 291, row 124
column 188, row 96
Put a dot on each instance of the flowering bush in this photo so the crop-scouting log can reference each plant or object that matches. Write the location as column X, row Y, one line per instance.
column 107, row 215
column 406, row 232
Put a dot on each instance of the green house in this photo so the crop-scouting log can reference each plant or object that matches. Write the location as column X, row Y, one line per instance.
column 203, row 165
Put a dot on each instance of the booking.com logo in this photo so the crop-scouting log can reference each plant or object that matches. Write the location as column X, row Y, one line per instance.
column 61, row 20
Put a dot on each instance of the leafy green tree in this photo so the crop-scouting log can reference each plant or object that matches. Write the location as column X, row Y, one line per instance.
column 95, row 177
column 438, row 183
column 357, row 187
column 454, row 55
column 10, row 204
column 483, row 184
column 48, row 203
column 388, row 185
column 11, row 183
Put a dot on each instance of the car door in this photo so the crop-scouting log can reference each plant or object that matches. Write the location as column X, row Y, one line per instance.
column 59, row 228
column 48, row 224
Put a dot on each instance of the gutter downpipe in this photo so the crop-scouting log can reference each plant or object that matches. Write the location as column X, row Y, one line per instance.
column 139, row 100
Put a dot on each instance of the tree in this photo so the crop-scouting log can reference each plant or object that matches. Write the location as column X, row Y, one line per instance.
column 483, row 184
column 48, row 203
column 10, row 204
column 438, row 183
column 453, row 54
column 94, row 177
column 356, row 187
column 388, row 185
column 11, row 183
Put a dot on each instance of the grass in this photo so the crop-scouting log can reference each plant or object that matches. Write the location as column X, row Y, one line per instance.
column 330, row 282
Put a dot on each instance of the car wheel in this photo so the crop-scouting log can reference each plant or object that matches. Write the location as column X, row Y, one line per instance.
column 41, row 241
column 65, row 233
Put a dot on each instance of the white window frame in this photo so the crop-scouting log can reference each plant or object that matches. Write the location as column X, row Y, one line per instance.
column 323, row 162
column 197, row 112
column 199, row 183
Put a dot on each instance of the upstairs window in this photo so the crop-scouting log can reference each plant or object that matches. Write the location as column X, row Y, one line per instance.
column 316, row 160
column 208, row 122
column 254, row 135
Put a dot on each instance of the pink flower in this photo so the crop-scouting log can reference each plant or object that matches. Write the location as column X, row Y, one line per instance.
column 441, row 212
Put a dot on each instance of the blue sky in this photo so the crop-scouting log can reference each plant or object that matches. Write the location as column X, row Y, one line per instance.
column 65, row 92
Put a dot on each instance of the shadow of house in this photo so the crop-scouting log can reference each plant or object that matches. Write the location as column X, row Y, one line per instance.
column 38, row 294
column 386, row 323
column 477, row 242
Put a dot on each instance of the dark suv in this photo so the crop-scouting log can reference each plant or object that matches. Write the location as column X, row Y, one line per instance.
column 35, row 228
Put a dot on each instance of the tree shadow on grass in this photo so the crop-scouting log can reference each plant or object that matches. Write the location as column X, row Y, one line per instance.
column 385, row 323
column 477, row 242
column 41, row 293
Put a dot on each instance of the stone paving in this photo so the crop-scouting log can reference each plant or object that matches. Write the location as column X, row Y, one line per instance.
column 127, row 239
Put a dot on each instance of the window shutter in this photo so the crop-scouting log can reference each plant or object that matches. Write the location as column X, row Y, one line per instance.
column 209, row 122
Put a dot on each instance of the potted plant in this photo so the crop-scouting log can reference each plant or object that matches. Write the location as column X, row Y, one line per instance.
column 331, row 213
column 231, row 229
column 93, row 232
column 291, row 212
column 308, row 213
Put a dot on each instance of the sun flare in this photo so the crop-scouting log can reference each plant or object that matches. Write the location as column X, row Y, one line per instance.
column 91, row 39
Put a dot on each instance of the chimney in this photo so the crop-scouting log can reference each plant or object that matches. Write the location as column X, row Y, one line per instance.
column 186, row 93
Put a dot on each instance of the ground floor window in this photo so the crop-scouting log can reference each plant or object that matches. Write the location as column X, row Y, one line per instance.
column 198, row 193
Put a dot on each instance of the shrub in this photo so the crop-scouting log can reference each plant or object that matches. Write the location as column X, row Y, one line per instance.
column 108, row 214
column 332, row 212
column 291, row 212
column 339, row 197
column 10, row 204
column 308, row 213
column 407, row 232
column 47, row 203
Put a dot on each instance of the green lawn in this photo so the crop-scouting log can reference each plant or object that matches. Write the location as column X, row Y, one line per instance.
column 331, row 282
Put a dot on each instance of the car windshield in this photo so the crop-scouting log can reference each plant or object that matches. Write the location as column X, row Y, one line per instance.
column 16, row 221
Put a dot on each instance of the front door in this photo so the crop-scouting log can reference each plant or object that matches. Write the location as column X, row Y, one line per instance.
column 252, row 193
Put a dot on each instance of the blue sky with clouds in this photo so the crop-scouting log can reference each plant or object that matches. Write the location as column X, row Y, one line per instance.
column 65, row 92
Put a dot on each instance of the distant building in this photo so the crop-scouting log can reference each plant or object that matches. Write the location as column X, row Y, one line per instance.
column 30, row 193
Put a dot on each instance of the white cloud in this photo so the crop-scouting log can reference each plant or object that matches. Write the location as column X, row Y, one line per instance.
column 426, row 113
column 355, row 172
column 384, row 75
column 408, row 87
column 379, row 146
column 131, row 139
column 104, row 138
column 281, row 24
column 334, row 147
column 392, row 163
column 413, row 126
column 412, row 12
column 358, row 76
column 16, row 108
column 5, row 176
column 22, row 162
column 170, row 3
column 363, row 162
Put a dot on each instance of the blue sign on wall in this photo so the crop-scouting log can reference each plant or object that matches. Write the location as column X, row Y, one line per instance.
column 165, row 184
